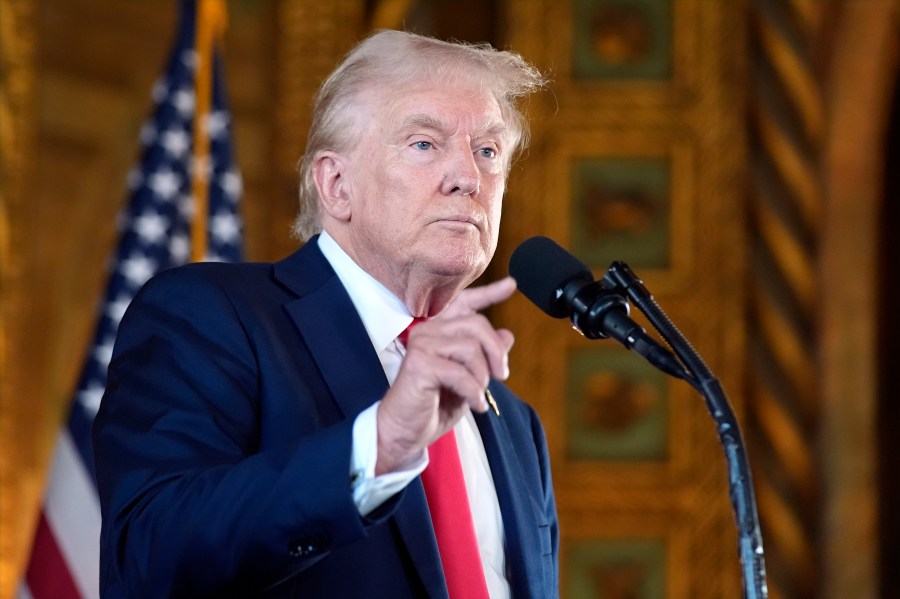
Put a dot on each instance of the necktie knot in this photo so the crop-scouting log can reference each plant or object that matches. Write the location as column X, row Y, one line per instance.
column 403, row 337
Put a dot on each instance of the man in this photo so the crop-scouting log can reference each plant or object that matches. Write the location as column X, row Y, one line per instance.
column 263, row 429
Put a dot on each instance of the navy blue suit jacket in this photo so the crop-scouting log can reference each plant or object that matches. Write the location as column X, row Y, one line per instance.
column 223, row 448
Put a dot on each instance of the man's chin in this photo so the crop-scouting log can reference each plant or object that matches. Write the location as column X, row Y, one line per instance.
column 466, row 268
column 463, row 256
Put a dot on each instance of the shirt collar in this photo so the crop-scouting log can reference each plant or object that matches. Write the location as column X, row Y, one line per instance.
column 383, row 314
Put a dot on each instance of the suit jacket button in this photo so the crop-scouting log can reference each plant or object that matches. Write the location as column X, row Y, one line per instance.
column 301, row 549
column 307, row 546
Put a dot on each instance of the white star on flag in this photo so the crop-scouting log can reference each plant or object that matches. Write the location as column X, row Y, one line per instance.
column 115, row 310
column 184, row 101
column 180, row 247
column 151, row 227
column 137, row 269
column 232, row 184
column 190, row 59
column 176, row 142
column 90, row 398
column 216, row 124
column 224, row 228
column 165, row 183
column 103, row 353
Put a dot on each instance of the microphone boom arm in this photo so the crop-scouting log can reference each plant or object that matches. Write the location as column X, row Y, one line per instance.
column 743, row 500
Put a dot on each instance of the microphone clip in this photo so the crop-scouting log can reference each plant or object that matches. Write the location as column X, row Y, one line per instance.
column 599, row 310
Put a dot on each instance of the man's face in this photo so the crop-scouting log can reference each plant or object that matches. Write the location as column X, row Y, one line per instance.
column 426, row 182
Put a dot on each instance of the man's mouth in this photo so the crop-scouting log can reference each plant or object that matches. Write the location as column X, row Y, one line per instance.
column 461, row 220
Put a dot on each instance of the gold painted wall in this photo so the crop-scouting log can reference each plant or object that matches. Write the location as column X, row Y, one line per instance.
column 646, row 149
column 641, row 142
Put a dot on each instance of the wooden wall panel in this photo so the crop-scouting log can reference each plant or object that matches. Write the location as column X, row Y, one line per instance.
column 860, row 81
column 17, row 144
column 639, row 145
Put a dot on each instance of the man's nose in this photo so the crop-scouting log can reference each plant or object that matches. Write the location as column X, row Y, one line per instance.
column 462, row 176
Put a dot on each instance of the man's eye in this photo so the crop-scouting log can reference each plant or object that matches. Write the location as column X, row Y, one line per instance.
column 422, row 145
column 488, row 152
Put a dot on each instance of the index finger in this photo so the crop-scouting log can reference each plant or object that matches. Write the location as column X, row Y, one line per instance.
column 474, row 299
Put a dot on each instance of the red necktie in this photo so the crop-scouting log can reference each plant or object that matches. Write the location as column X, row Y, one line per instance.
column 448, row 502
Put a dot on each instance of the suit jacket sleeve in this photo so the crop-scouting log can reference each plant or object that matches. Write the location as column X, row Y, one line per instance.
column 194, row 500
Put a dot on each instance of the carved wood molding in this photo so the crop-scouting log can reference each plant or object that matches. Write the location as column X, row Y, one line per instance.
column 787, row 125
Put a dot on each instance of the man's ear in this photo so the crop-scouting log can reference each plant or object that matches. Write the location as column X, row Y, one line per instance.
column 330, row 178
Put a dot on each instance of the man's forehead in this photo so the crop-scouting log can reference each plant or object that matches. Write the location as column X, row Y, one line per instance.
column 436, row 105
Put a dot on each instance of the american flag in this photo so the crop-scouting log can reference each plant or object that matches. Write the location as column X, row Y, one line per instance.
column 154, row 234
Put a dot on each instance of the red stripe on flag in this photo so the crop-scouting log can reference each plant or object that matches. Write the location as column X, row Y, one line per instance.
column 48, row 574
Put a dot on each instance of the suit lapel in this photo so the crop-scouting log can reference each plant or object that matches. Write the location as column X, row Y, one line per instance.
column 332, row 329
column 335, row 335
column 518, row 505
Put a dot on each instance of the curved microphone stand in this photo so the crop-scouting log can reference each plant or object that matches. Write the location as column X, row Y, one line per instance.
column 743, row 500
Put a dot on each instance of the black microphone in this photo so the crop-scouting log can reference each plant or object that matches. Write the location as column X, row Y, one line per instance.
column 563, row 286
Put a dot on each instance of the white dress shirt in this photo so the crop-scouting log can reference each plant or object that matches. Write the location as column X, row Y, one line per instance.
column 385, row 317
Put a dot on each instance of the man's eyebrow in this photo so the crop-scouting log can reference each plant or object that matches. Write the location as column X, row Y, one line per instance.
column 493, row 129
column 427, row 121
column 422, row 121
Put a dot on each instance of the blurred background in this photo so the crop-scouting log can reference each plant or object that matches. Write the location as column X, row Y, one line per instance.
column 740, row 156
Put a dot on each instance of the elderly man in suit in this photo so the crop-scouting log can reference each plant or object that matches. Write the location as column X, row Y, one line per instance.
column 281, row 430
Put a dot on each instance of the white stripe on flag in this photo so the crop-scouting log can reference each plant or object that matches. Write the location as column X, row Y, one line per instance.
column 24, row 591
column 73, row 513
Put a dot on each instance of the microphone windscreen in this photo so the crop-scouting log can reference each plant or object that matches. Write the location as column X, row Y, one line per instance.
column 541, row 268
